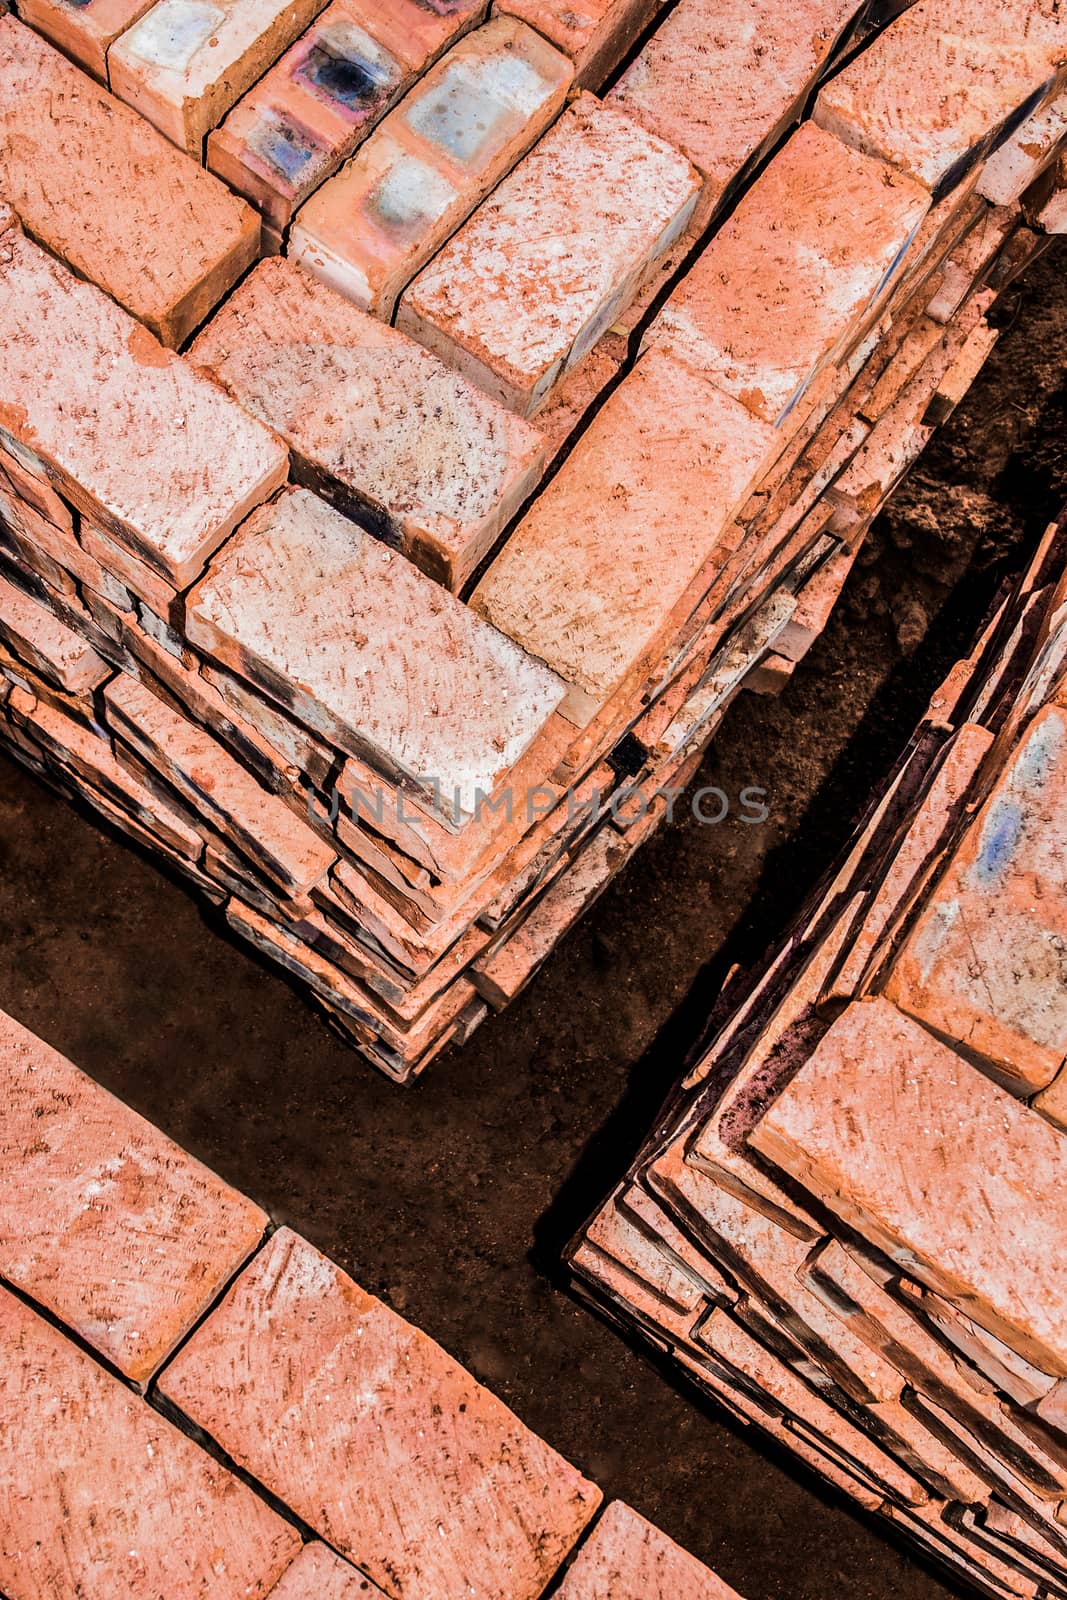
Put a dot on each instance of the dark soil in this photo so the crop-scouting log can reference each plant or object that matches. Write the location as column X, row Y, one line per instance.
column 453, row 1199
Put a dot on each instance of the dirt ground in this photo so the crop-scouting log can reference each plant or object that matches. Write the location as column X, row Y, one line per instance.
column 453, row 1199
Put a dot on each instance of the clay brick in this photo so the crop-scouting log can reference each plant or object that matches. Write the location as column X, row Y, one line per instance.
column 83, row 29
column 164, row 461
column 105, row 1222
column 986, row 964
column 785, row 281
column 36, row 491
column 628, row 1558
column 932, row 94
column 375, row 1436
column 381, row 427
column 184, row 63
column 723, row 82
column 160, row 236
column 295, row 127
column 892, row 1131
column 373, row 655
column 530, row 283
column 1012, row 168
column 596, row 34
column 591, row 575
column 417, row 31
column 47, row 644
column 135, row 575
column 317, row 1574
column 261, row 825
column 99, row 1495
column 1052, row 1102
column 429, row 163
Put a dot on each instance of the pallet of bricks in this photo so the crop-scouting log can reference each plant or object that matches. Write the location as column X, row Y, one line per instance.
column 392, row 589
column 848, row 1224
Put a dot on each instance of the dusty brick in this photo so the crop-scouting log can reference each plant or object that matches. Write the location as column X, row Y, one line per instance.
column 83, row 29
column 317, row 1574
column 160, row 236
column 261, row 825
column 933, row 92
column 380, row 426
column 35, row 489
column 371, row 654
column 105, row 1222
column 184, row 63
column 60, row 655
column 99, row 1495
column 164, row 461
column 628, row 1558
column 1019, row 161
column 785, row 281
column 428, row 164
column 308, row 113
column 650, row 488
column 892, row 1131
column 375, row 1436
column 595, row 34
column 533, row 280
column 722, row 82
column 986, row 964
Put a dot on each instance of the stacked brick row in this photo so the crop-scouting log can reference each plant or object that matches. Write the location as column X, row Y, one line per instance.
column 194, row 1403
column 848, row 1224
column 397, row 640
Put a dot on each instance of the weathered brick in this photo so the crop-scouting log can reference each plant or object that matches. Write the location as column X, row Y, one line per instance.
column 375, row 422
column 428, row 164
column 892, row 1131
column 628, row 1558
column 60, row 655
column 1012, row 168
column 721, row 81
column 164, row 461
column 375, row 1436
column 293, row 129
column 785, row 281
column 371, row 654
column 103, row 1220
column 595, row 34
column 317, row 1574
column 159, row 235
column 184, row 63
column 933, row 92
column 83, row 29
column 533, row 280
column 591, row 576
column 99, row 1495
column 986, row 964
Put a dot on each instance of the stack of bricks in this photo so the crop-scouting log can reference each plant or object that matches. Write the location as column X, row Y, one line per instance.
column 193, row 1402
column 848, row 1223
column 396, row 601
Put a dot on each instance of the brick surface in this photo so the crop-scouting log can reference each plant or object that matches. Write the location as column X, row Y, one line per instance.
column 308, row 113
column 533, row 280
column 720, row 82
column 118, row 1232
column 369, row 652
column 219, row 788
column 318, row 1574
column 60, row 655
column 83, row 29
column 1020, row 159
column 184, row 63
column 987, row 962
column 160, row 236
column 893, row 1132
column 930, row 93
column 595, row 34
column 381, row 426
column 647, row 494
column 626, row 1558
column 100, row 1497
column 786, row 279
column 191, row 462
column 376, row 1437
column 424, row 169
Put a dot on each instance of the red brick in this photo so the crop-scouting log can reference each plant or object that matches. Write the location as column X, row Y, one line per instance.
column 375, row 1436
column 376, row 422
column 627, row 1558
column 317, row 1574
column 83, row 31
column 60, row 655
column 532, row 281
column 595, row 34
column 99, row 1495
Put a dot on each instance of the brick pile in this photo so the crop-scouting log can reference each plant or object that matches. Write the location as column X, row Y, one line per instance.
column 193, row 1402
column 847, row 1225
column 398, row 608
